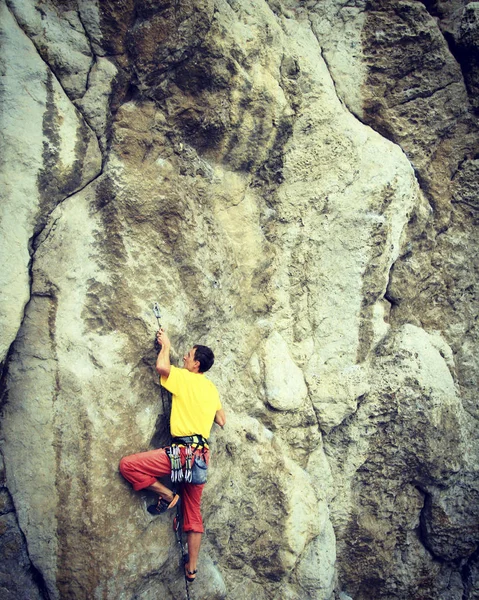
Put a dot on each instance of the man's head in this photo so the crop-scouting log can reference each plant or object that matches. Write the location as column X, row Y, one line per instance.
column 199, row 359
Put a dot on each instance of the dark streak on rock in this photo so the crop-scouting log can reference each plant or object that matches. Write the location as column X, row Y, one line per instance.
column 371, row 290
column 76, row 580
column 101, row 312
column 55, row 181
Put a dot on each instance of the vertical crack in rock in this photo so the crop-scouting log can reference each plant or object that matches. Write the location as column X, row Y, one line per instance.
column 19, row 574
column 82, row 140
column 428, row 81
column 28, row 583
column 422, row 530
column 108, row 84
column 373, row 286
column 92, row 50
column 350, row 109
column 458, row 22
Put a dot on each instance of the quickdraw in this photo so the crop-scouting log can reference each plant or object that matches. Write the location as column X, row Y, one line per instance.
column 173, row 452
column 188, row 463
column 156, row 312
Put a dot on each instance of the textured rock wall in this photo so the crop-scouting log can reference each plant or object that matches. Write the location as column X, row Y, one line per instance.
column 296, row 184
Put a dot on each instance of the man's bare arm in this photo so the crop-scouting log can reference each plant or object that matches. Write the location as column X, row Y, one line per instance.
column 163, row 365
column 220, row 417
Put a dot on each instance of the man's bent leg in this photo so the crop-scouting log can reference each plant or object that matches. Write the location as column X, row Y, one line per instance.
column 162, row 490
column 143, row 469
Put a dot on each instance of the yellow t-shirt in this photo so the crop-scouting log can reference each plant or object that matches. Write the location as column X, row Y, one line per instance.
column 195, row 402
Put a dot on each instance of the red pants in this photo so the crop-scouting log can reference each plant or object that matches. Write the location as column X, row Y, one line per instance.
column 143, row 469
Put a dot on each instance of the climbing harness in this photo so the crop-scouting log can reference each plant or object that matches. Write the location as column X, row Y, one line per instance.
column 196, row 440
column 195, row 469
column 177, row 528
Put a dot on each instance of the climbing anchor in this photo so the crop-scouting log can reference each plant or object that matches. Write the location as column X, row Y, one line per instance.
column 156, row 311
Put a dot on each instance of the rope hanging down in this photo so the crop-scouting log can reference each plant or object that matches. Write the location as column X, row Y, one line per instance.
column 184, row 554
column 165, row 395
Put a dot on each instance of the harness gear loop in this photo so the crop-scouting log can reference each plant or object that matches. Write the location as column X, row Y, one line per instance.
column 173, row 453
column 188, row 463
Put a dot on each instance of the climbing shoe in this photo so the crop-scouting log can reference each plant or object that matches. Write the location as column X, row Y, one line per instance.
column 163, row 505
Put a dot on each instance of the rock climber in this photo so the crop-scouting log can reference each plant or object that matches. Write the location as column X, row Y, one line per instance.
column 195, row 406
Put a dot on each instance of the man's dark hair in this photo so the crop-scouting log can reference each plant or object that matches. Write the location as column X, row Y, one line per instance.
column 205, row 356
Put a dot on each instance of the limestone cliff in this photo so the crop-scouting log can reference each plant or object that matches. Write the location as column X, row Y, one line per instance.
column 296, row 184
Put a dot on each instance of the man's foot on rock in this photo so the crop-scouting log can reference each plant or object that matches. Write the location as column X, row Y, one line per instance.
column 163, row 505
column 190, row 575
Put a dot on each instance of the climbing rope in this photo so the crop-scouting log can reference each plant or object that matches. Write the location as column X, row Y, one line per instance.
column 184, row 554
column 166, row 403
column 165, row 394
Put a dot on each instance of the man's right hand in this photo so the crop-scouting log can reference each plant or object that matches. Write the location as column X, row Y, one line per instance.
column 163, row 361
column 163, row 338
column 220, row 418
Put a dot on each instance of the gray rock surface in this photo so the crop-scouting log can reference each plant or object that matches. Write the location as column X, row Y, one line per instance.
column 296, row 185
column 48, row 152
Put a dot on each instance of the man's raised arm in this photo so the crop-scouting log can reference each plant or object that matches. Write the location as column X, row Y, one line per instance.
column 163, row 365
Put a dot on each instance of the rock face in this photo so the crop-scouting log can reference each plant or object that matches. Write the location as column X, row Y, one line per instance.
column 48, row 153
column 296, row 184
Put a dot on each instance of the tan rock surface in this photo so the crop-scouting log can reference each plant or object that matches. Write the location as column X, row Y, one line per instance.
column 48, row 152
column 331, row 265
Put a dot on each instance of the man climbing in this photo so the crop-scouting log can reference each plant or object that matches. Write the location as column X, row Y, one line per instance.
column 195, row 406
